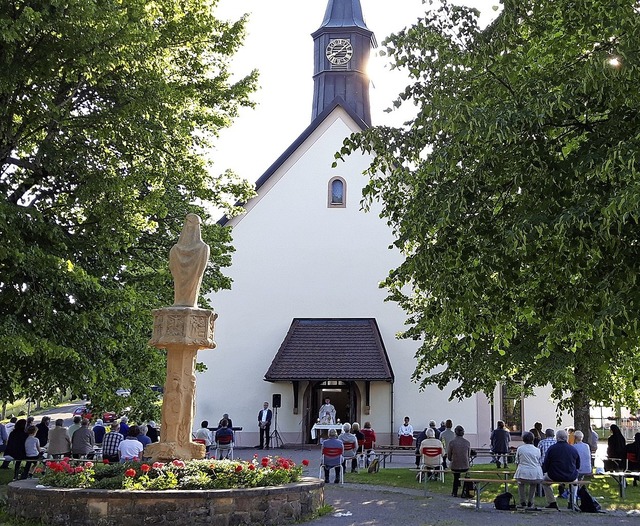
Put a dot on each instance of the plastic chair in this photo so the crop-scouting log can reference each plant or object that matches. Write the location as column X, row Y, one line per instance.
column 432, row 458
column 333, row 455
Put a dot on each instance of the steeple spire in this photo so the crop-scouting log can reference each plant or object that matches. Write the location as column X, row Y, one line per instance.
column 342, row 46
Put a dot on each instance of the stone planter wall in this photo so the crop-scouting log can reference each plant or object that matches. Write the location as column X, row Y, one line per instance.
column 255, row 506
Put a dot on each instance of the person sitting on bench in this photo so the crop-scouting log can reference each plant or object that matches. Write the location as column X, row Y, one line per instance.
column 561, row 464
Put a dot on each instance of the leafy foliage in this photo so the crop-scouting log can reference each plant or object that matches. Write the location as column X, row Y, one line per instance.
column 106, row 108
column 514, row 194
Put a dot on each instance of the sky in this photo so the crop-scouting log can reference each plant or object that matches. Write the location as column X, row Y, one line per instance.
column 280, row 47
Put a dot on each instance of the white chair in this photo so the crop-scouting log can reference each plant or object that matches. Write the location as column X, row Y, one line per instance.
column 332, row 455
column 224, row 447
column 432, row 458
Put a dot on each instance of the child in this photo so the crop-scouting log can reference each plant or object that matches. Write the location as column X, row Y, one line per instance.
column 32, row 450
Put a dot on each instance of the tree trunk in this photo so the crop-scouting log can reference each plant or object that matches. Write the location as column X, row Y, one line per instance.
column 581, row 408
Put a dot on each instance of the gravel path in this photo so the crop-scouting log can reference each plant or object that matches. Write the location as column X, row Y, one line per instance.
column 364, row 505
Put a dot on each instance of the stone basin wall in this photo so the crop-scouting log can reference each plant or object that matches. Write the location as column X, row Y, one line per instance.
column 268, row 506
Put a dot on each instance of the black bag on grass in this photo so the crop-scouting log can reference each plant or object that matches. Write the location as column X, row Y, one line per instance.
column 503, row 501
column 587, row 503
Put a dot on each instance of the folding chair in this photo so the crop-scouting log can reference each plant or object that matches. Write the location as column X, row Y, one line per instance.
column 432, row 458
column 224, row 447
column 333, row 455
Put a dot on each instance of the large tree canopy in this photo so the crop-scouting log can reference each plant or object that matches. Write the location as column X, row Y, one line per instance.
column 515, row 196
column 106, row 108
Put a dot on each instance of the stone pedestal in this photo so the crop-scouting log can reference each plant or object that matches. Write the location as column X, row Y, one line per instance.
column 182, row 331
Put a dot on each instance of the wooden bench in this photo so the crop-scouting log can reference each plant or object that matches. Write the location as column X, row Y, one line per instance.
column 383, row 452
column 481, row 483
column 621, row 478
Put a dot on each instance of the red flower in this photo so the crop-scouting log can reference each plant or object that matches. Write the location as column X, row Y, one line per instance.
column 265, row 462
column 88, row 465
column 145, row 468
column 178, row 463
column 158, row 465
column 79, row 469
column 105, row 460
column 251, row 467
column 305, row 462
column 130, row 473
column 238, row 468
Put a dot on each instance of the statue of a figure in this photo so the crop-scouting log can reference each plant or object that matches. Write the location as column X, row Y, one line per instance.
column 187, row 261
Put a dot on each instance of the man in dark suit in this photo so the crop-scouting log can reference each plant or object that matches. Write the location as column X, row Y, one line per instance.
column 264, row 423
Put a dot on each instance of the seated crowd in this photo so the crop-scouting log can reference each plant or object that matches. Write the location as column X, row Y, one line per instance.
column 22, row 441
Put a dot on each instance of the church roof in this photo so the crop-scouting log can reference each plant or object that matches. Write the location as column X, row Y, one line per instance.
column 337, row 102
column 344, row 13
column 345, row 349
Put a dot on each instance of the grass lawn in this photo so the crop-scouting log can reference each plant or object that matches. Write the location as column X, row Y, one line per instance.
column 603, row 488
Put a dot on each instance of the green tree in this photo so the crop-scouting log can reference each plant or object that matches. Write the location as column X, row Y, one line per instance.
column 514, row 194
column 106, row 109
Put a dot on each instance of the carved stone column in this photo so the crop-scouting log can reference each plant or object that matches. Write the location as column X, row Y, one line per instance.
column 182, row 331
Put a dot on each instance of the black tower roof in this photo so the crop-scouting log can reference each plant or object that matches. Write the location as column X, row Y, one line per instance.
column 342, row 46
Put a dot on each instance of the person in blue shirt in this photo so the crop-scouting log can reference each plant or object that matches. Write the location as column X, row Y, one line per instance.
column 224, row 440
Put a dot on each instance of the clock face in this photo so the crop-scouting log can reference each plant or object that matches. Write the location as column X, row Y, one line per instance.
column 339, row 51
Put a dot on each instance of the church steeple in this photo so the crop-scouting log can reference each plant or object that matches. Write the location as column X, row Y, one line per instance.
column 342, row 46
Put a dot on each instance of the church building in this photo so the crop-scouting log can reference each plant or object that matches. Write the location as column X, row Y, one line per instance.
column 305, row 318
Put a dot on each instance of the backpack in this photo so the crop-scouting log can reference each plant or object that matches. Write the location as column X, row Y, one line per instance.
column 503, row 501
column 587, row 503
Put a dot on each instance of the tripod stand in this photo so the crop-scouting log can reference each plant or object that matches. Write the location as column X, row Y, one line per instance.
column 274, row 438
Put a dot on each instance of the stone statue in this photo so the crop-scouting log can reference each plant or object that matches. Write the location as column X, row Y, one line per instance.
column 187, row 261
column 182, row 330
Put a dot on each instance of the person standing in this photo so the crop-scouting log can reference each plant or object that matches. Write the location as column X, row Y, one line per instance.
column 500, row 440
column 458, row 454
column 446, row 436
column 529, row 472
column 327, row 413
column 264, row 423
column 405, row 433
column 59, row 441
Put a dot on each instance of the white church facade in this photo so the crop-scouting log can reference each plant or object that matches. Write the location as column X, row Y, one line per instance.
column 305, row 318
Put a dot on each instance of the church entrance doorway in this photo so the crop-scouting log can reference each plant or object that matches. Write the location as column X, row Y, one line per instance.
column 344, row 396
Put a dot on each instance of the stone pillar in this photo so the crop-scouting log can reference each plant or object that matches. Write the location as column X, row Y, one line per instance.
column 182, row 331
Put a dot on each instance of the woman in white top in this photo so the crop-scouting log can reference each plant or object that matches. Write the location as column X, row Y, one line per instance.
column 529, row 471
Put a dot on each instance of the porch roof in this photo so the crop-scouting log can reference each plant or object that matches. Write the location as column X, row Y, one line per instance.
column 317, row 349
